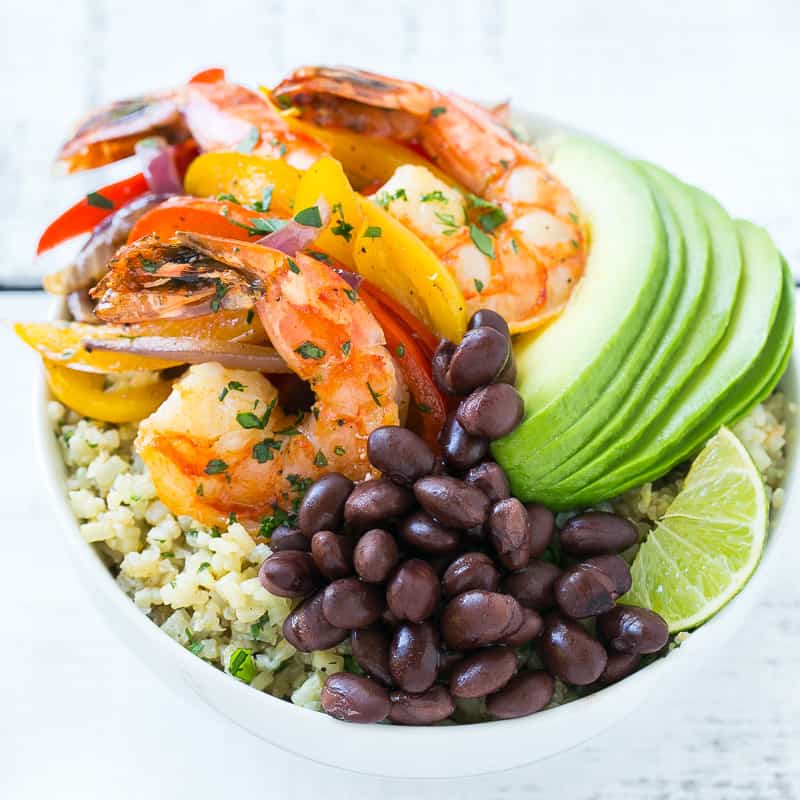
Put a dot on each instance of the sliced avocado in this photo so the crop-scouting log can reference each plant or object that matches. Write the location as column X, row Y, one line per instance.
column 701, row 218
column 565, row 368
column 728, row 382
column 656, row 341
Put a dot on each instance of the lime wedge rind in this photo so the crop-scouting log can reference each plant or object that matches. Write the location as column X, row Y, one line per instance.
column 709, row 541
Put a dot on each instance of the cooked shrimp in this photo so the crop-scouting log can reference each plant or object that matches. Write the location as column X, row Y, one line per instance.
column 219, row 444
column 218, row 116
column 515, row 243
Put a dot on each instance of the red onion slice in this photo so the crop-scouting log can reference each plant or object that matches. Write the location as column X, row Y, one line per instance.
column 294, row 235
column 187, row 350
column 158, row 164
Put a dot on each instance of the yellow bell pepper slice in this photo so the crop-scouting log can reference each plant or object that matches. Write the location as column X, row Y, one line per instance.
column 399, row 262
column 326, row 178
column 366, row 159
column 86, row 394
column 61, row 342
column 245, row 176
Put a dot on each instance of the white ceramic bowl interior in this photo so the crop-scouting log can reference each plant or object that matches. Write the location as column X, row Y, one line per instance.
column 389, row 750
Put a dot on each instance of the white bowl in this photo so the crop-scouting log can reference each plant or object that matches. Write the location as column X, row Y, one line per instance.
column 390, row 750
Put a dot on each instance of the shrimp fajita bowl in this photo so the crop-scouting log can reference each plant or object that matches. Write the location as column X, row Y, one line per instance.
column 376, row 404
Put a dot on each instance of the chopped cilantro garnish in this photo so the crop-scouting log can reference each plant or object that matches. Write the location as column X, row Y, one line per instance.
column 346, row 348
column 265, row 202
column 575, row 244
column 262, row 452
column 491, row 219
column 504, row 164
column 199, row 490
column 242, row 665
column 320, row 460
column 351, row 295
column 435, row 196
column 293, row 265
column 219, row 293
column 248, row 420
column 339, row 450
column 269, row 524
column 343, row 229
column 309, row 216
column 196, row 648
column 401, row 350
column 514, row 246
column 373, row 232
column 483, row 242
column 449, row 221
column 227, row 197
column 323, row 257
column 235, row 386
column 215, row 467
column 376, row 397
column 204, row 565
column 424, row 408
column 310, row 350
column 478, row 285
column 97, row 200
column 438, row 110
column 147, row 265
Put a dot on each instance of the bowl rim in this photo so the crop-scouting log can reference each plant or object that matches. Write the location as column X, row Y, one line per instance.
column 196, row 671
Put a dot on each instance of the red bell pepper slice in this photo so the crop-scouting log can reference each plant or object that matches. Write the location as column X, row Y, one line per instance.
column 210, row 75
column 86, row 214
column 407, row 343
column 91, row 211
column 199, row 215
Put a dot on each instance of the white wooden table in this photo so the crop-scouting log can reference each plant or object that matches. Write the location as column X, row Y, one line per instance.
column 708, row 90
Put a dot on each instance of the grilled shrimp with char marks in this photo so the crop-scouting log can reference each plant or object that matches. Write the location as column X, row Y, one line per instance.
column 220, row 444
column 515, row 243
column 218, row 116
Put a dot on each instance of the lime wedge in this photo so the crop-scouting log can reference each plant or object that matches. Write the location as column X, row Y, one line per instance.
column 709, row 541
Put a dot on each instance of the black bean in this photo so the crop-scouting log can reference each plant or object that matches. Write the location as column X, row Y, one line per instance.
column 509, row 373
column 584, row 591
column 354, row 698
column 460, row 450
column 375, row 555
column 414, row 656
column 542, row 526
column 619, row 666
column 399, row 454
column 323, row 504
column 422, row 532
column 616, row 568
column 306, row 628
column 373, row 501
column 483, row 673
column 413, row 591
column 423, row 708
column 597, row 533
column 530, row 628
column 351, row 603
column 533, row 585
column 447, row 660
column 492, row 411
column 569, row 652
column 451, row 501
column 478, row 360
column 371, row 650
column 470, row 571
column 440, row 363
column 509, row 533
column 333, row 554
column 477, row 618
column 291, row 573
column 524, row 694
column 488, row 318
column 490, row 479
column 630, row 629
column 286, row 538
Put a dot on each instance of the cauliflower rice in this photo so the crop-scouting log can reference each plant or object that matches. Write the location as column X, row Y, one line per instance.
column 200, row 585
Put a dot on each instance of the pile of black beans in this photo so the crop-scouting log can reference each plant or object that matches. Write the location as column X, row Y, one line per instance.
column 436, row 573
